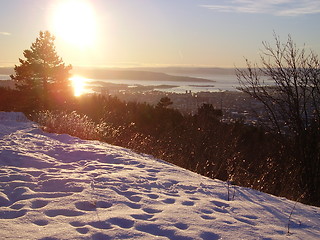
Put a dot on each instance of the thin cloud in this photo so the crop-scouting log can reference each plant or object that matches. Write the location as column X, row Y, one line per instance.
column 274, row 7
column 5, row 33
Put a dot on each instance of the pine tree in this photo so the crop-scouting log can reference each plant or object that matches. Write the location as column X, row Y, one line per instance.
column 164, row 102
column 43, row 76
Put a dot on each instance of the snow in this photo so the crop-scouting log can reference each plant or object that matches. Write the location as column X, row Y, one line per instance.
column 61, row 187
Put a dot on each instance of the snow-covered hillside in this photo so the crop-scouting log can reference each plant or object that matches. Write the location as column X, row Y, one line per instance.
column 60, row 187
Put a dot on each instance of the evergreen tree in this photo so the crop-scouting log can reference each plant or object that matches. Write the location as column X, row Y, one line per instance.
column 43, row 75
column 164, row 102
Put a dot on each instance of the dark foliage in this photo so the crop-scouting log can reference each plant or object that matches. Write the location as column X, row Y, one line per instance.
column 42, row 76
column 292, row 105
column 245, row 155
column 11, row 100
column 285, row 162
column 164, row 102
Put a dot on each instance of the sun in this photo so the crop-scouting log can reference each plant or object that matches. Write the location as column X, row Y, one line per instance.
column 74, row 21
column 78, row 84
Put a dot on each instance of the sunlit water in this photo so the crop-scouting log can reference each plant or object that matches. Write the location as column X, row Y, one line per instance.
column 219, row 82
column 4, row 77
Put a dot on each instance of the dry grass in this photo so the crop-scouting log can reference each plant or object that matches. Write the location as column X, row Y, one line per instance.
column 70, row 123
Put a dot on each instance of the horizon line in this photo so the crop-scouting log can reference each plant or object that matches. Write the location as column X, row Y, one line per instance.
column 142, row 66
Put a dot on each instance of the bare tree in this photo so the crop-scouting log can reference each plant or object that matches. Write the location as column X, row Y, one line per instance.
column 287, row 83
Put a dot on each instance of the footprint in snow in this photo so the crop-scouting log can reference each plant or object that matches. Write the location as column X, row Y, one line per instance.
column 82, row 230
column 169, row 201
column 59, row 185
column 250, row 217
column 153, row 196
column 151, row 210
column 151, row 170
column 181, row 226
column 121, row 222
column 77, row 224
column 86, row 206
column 134, row 198
column 39, row 203
column 187, row 203
column 220, row 204
column 152, row 178
column 100, row 225
column 63, row 212
column 194, row 198
column 11, row 214
column 103, row 204
column 17, row 193
column 132, row 205
column 41, row 222
column 48, row 238
column 100, row 236
column 158, row 230
column 17, row 206
column 126, row 194
column 245, row 220
column 141, row 166
column 207, row 217
column 206, row 211
column 209, row 236
column 228, row 222
column 142, row 216
column 34, row 173
column 221, row 210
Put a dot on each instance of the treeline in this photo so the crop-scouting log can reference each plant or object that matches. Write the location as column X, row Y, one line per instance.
column 243, row 155
column 285, row 161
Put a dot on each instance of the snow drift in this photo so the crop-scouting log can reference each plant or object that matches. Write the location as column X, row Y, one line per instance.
column 61, row 187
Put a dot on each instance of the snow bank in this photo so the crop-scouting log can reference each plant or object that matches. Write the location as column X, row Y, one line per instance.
column 11, row 121
column 12, row 117
column 60, row 187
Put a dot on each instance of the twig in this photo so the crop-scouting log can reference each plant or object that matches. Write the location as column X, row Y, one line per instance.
column 293, row 208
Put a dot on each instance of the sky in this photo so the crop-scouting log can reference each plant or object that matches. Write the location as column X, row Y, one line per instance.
column 134, row 33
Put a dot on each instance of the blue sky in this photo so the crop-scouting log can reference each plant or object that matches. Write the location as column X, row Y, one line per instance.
column 218, row 33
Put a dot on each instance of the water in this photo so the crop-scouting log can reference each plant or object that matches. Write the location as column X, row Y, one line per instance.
column 4, row 77
column 219, row 83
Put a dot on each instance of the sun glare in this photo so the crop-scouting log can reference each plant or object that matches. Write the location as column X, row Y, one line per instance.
column 78, row 84
column 74, row 21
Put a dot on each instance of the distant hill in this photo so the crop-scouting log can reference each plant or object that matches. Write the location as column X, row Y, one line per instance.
column 7, row 83
column 145, row 73
column 133, row 74
column 192, row 70
column 6, row 70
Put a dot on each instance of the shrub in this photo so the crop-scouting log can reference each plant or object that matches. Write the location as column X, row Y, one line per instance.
column 70, row 123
